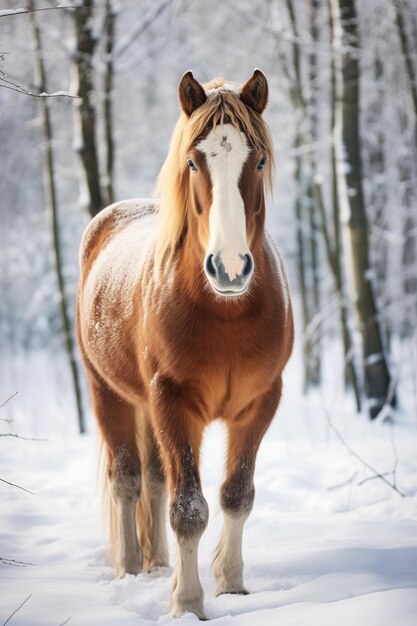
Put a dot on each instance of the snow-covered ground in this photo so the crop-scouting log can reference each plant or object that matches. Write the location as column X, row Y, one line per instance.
column 323, row 545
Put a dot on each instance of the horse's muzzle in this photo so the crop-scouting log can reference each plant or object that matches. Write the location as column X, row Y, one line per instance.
column 220, row 280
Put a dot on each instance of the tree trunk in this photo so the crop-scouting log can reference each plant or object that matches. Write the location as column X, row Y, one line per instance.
column 311, row 366
column 306, row 233
column 335, row 253
column 409, row 249
column 313, row 226
column 109, row 21
column 407, row 54
column 85, row 107
column 51, row 200
column 346, row 138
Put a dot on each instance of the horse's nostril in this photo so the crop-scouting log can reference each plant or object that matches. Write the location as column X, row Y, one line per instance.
column 248, row 267
column 210, row 269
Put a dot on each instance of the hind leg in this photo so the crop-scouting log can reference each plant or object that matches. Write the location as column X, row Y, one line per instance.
column 237, row 493
column 116, row 420
column 151, row 512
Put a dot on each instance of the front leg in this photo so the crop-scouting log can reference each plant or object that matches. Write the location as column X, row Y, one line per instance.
column 178, row 426
column 237, row 493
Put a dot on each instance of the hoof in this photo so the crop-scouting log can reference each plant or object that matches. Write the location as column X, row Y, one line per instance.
column 178, row 609
column 181, row 612
column 151, row 566
column 232, row 590
column 131, row 571
column 241, row 592
column 132, row 566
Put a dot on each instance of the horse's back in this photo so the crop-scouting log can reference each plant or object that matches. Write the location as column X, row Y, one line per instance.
column 110, row 221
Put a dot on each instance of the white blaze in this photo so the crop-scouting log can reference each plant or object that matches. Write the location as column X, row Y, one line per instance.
column 226, row 151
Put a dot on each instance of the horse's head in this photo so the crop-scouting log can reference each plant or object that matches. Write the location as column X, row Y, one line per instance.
column 224, row 152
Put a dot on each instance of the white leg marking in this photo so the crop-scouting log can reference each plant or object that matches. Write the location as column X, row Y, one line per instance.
column 228, row 562
column 187, row 593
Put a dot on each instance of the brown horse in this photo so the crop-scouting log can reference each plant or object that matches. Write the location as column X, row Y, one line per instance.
column 184, row 316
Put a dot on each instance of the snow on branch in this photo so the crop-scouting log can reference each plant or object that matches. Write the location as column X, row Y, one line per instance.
column 10, row 12
column 8, row 84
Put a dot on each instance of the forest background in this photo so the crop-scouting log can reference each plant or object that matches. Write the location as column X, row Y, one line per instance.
column 88, row 102
column 342, row 110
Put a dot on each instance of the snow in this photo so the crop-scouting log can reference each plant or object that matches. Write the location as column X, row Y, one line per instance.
column 56, row 93
column 326, row 543
column 7, row 12
column 371, row 359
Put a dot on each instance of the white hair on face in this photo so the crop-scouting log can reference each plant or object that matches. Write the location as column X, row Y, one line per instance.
column 226, row 150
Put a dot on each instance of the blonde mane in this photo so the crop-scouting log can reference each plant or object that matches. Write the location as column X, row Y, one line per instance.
column 223, row 104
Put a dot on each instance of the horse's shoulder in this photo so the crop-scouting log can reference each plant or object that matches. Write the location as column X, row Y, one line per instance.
column 274, row 255
column 275, row 258
column 272, row 247
column 110, row 220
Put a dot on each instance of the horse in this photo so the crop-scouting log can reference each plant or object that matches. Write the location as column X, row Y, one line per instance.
column 184, row 317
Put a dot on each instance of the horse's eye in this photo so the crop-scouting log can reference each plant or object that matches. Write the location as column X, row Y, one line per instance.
column 191, row 165
column 260, row 165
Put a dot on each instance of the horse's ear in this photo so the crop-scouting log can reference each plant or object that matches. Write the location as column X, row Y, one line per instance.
column 255, row 92
column 192, row 94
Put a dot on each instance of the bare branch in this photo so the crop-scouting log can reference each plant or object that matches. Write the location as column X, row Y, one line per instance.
column 20, row 437
column 366, row 480
column 8, row 399
column 17, row 486
column 14, row 563
column 358, row 457
column 348, row 481
column 130, row 38
column 18, row 608
column 11, row 12
column 395, row 451
column 66, row 622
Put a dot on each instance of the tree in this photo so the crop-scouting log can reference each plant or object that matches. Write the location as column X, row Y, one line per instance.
column 304, row 209
column 409, row 253
column 109, row 23
column 378, row 384
column 333, row 245
column 407, row 53
column 86, row 142
column 51, row 200
column 309, row 186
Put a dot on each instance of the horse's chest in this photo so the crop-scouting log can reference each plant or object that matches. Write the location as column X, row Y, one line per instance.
column 214, row 345
column 229, row 362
